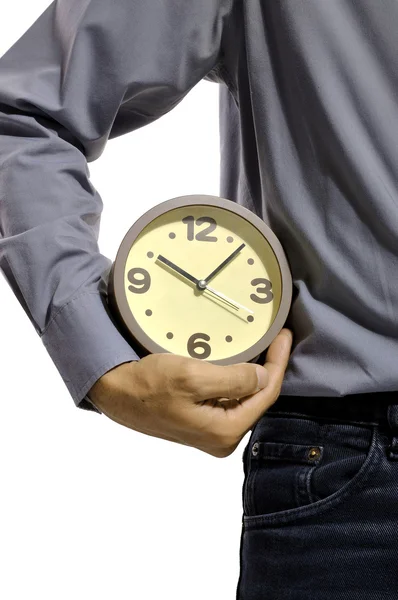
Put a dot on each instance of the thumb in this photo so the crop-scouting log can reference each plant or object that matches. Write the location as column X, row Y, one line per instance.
column 231, row 381
column 244, row 379
column 277, row 359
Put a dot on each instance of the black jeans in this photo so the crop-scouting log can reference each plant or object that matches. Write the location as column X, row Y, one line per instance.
column 320, row 500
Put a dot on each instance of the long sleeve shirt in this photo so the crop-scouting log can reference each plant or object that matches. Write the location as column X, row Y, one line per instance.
column 308, row 99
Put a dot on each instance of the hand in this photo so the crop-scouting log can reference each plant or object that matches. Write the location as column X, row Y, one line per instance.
column 190, row 401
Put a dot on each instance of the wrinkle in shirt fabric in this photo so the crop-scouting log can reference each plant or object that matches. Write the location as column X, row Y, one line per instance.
column 308, row 127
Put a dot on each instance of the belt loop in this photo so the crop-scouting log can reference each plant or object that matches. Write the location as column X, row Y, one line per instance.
column 392, row 418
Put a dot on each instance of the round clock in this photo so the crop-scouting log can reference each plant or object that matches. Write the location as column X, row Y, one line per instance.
column 203, row 277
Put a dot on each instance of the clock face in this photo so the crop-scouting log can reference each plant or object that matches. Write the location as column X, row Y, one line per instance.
column 201, row 281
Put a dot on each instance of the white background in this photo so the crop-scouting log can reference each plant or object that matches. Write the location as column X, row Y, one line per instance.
column 89, row 508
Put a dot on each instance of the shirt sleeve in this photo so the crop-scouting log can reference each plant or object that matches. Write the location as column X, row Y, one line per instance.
column 85, row 71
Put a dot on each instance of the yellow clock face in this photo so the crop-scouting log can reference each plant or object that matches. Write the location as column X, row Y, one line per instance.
column 202, row 281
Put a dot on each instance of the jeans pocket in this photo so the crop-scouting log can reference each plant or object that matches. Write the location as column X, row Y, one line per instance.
column 297, row 466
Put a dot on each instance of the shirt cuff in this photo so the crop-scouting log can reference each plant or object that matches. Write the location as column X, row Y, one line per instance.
column 84, row 343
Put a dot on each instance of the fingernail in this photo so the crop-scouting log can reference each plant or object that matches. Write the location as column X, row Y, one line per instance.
column 289, row 335
column 262, row 377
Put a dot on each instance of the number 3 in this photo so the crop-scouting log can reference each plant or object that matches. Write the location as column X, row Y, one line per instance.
column 265, row 289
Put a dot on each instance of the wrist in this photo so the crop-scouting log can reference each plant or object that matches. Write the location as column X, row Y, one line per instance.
column 108, row 384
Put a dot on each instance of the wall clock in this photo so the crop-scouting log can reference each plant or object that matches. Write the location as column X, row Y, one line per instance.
column 200, row 276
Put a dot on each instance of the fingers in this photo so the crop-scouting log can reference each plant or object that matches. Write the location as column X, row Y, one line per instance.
column 230, row 381
column 277, row 359
column 244, row 379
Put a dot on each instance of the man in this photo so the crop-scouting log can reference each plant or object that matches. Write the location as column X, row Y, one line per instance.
column 308, row 113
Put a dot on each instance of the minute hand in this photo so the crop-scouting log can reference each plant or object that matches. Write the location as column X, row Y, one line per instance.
column 222, row 265
column 200, row 283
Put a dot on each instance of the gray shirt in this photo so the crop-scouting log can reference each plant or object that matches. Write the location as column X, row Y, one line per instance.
column 308, row 128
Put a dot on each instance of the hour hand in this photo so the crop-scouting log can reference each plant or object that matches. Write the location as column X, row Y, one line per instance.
column 177, row 269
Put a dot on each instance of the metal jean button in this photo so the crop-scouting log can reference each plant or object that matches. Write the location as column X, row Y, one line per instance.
column 255, row 449
column 314, row 453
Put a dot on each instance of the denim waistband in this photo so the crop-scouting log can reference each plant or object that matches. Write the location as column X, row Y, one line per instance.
column 375, row 408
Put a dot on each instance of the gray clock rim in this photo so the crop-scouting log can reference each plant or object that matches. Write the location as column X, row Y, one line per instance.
column 118, row 303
